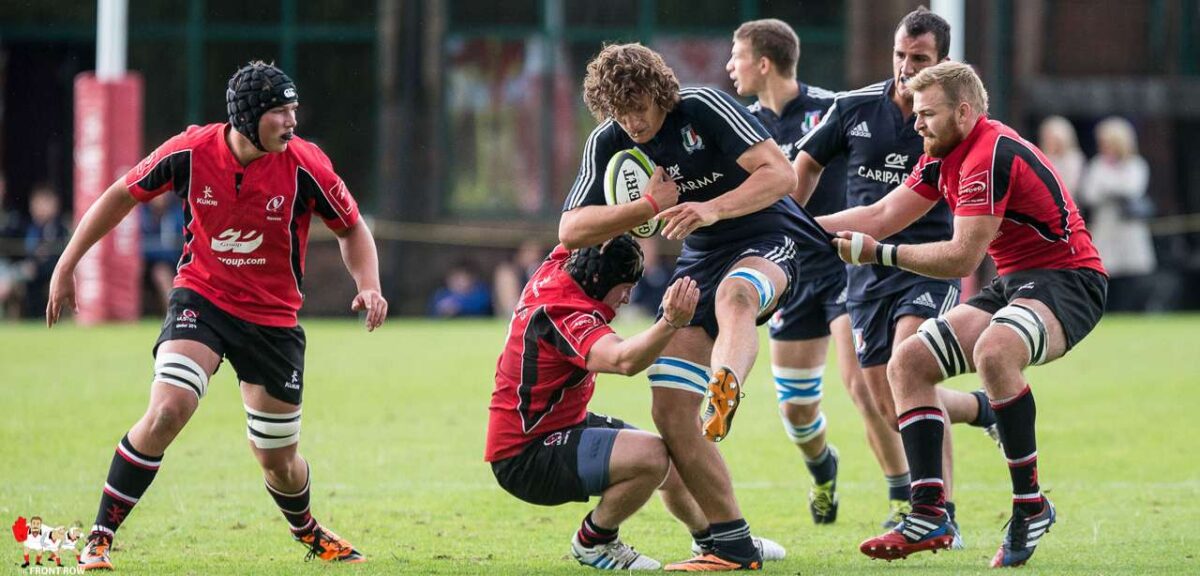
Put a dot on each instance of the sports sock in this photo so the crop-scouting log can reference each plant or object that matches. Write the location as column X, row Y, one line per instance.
column 591, row 535
column 950, row 510
column 129, row 475
column 295, row 506
column 1015, row 420
column 899, row 487
column 922, row 429
column 733, row 539
column 986, row 416
column 703, row 539
column 823, row 468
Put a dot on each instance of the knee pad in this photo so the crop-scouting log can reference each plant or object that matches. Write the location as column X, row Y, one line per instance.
column 761, row 284
column 798, row 385
column 803, row 433
column 939, row 338
column 181, row 371
column 267, row 430
column 680, row 374
column 1026, row 322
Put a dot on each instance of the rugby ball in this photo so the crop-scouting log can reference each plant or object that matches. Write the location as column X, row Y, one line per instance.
column 625, row 179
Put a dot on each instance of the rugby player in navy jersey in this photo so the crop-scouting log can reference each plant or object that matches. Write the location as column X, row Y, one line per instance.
column 763, row 65
column 721, row 184
column 873, row 128
column 1009, row 203
column 250, row 188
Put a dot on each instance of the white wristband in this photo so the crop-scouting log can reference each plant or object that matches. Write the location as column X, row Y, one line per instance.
column 856, row 246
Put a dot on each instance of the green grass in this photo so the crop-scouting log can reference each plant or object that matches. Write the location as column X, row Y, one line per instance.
column 394, row 425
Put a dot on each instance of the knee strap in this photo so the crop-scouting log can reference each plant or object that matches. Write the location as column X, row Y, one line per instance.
column 267, row 430
column 181, row 371
column 939, row 338
column 803, row 433
column 1026, row 322
column 680, row 374
column 760, row 282
column 798, row 385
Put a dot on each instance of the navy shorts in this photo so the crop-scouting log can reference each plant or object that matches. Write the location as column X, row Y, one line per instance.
column 816, row 303
column 709, row 267
column 568, row 465
column 874, row 321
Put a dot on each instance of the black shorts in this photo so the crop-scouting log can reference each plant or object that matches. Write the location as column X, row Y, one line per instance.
column 266, row 356
column 874, row 321
column 1076, row 297
column 709, row 267
column 568, row 465
column 816, row 303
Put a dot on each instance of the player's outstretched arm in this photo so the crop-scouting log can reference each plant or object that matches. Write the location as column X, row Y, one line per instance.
column 592, row 225
column 891, row 214
column 362, row 260
column 953, row 258
column 612, row 355
column 771, row 178
column 100, row 219
column 808, row 174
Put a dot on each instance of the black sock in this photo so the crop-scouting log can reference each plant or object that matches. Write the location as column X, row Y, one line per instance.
column 986, row 416
column 899, row 487
column 129, row 475
column 733, row 539
column 1015, row 420
column 950, row 510
column 295, row 507
column 591, row 535
column 922, row 429
column 703, row 539
column 824, row 467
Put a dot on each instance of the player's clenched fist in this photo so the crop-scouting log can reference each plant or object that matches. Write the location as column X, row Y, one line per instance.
column 662, row 189
column 679, row 303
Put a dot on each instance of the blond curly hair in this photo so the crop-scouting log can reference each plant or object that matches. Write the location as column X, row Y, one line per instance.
column 621, row 76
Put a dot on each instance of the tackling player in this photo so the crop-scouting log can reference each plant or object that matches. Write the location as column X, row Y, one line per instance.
column 1008, row 202
column 741, row 234
column 873, row 128
column 544, row 446
column 250, row 189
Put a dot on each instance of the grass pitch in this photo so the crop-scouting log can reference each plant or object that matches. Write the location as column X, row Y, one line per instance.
column 394, row 425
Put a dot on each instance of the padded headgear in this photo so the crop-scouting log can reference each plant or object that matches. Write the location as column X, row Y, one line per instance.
column 598, row 269
column 254, row 89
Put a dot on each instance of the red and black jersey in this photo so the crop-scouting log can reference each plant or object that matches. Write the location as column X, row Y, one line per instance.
column 994, row 171
column 245, row 227
column 542, row 380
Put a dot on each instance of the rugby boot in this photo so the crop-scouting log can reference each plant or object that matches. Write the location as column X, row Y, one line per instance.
column 724, row 395
column 770, row 549
column 615, row 555
column 714, row 561
column 328, row 546
column 95, row 552
column 896, row 511
column 915, row 533
column 823, row 502
column 1024, row 534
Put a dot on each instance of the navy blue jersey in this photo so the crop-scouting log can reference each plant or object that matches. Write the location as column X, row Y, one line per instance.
column 881, row 149
column 698, row 145
column 800, row 116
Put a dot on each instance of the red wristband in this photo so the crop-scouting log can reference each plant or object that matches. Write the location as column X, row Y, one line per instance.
column 653, row 204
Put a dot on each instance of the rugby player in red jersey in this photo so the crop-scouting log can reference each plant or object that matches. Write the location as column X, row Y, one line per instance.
column 250, row 188
column 544, row 446
column 1008, row 202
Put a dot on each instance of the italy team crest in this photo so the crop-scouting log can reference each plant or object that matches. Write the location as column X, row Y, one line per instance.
column 691, row 140
column 811, row 119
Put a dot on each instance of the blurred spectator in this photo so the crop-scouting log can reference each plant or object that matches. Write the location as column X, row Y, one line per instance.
column 10, row 247
column 648, row 292
column 1114, row 191
column 162, row 244
column 511, row 276
column 463, row 295
column 1056, row 138
column 45, row 236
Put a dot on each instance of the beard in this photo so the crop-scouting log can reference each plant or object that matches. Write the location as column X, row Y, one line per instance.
column 943, row 146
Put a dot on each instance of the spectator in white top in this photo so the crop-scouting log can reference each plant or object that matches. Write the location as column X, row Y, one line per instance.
column 1114, row 191
column 1056, row 138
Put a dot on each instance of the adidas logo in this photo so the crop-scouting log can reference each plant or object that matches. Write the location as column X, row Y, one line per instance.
column 925, row 300
column 861, row 130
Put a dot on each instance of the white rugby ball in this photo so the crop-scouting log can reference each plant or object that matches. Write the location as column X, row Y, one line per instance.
column 625, row 180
